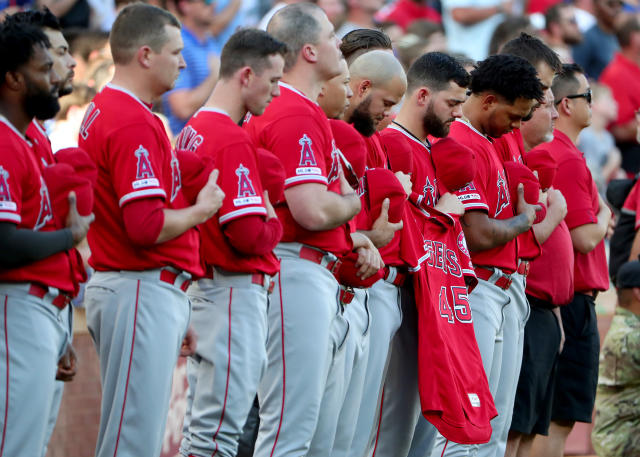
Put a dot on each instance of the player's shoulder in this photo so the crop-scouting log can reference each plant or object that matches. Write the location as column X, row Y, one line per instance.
column 344, row 132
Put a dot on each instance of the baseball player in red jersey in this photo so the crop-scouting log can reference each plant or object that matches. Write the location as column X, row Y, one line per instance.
column 504, row 90
column 229, row 305
column 306, row 326
column 589, row 219
column 436, row 91
column 63, row 65
column 143, row 245
column 37, row 280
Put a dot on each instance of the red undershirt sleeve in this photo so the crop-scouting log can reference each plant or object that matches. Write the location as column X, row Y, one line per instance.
column 253, row 235
column 143, row 220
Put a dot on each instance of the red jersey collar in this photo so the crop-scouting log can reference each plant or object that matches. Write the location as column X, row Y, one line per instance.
column 5, row 121
column 473, row 129
column 130, row 94
column 293, row 89
column 397, row 128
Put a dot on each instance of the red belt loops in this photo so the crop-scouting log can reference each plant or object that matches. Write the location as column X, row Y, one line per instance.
column 347, row 295
column 523, row 267
column 395, row 276
column 60, row 301
column 324, row 259
column 261, row 280
column 180, row 279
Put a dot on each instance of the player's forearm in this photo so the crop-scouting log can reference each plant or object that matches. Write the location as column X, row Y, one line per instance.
column 336, row 210
column 58, row 7
column 184, row 103
column 625, row 132
column 545, row 228
column 253, row 235
column 470, row 16
column 586, row 237
column 222, row 19
column 19, row 247
column 178, row 221
column 483, row 233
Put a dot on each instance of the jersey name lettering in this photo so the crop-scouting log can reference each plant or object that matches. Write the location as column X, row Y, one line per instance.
column 189, row 139
column 335, row 163
column 176, row 177
column 503, row 194
column 46, row 214
column 442, row 258
column 89, row 118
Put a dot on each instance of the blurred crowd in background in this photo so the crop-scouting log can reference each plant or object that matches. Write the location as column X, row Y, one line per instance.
column 593, row 33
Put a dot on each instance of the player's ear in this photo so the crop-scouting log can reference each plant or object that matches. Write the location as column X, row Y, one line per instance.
column 422, row 95
column 143, row 55
column 488, row 100
column 363, row 87
column 245, row 75
column 309, row 52
column 14, row 80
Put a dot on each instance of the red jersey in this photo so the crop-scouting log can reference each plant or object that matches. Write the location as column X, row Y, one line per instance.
column 511, row 148
column 297, row 131
column 376, row 156
column 44, row 155
column 214, row 136
column 25, row 201
column 41, row 144
column 574, row 180
column 632, row 203
column 129, row 145
column 455, row 398
column 623, row 77
column 489, row 192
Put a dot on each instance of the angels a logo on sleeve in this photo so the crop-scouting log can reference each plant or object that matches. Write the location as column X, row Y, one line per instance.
column 145, row 177
column 6, row 203
column 46, row 214
column 462, row 244
column 189, row 139
column 308, row 164
column 466, row 193
column 246, row 192
column 503, row 193
column 334, row 172
column 176, row 177
column 89, row 118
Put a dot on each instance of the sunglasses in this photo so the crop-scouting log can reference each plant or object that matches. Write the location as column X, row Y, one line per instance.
column 586, row 96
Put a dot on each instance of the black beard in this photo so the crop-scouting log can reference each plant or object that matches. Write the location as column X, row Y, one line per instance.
column 434, row 126
column 41, row 105
column 361, row 119
column 64, row 90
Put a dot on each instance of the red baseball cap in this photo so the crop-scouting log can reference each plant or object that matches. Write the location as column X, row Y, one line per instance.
column 61, row 179
column 347, row 273
column 455, row 164
column 194, row 173
column 398, row 151
column 81, row 162
column 519, row 173
column 353, row 149
column 381, row 184
column 271, row 175
column 541, row 160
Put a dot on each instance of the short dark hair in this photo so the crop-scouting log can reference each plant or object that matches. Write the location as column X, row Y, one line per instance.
column 38, row 18
column 626, row 29
column 435, row 70
column 511, row 27
column 359, row 41
column 508, row 76
column 249, row 47
column 533, row 50
column 552, row 14
column 566, row 83
column 17, row 43
column 295, row 25
column 139, row 24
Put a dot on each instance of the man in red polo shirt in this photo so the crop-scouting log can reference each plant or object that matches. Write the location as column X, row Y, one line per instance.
column 306, row 325
column 588, row 219
column 622, row 75
column 36, row 275
column 144, row 246
column 504, row 89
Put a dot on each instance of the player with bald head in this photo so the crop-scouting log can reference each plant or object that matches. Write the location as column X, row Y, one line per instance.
column 307, row 329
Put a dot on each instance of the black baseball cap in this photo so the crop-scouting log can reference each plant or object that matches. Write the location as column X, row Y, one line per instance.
column 628, row 275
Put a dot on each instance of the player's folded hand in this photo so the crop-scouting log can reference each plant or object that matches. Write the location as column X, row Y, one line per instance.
column 189, row 343
column 382, row 231
column 78, row 224
column 67, row 365
column 450, row 204
column 526, row 208
column 211, row 195
column 405, row 180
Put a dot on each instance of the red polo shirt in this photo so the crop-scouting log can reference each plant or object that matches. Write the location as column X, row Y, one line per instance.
column 623, row 77
column 574, row 180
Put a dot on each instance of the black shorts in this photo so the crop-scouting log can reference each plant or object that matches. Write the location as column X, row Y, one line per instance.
column 577, row 376
column 532, row 407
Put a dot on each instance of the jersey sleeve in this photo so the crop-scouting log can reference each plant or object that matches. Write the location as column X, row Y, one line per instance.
column 574, row 180
column 134, row 160
column 11, row 176
column 474, row 195
column 300, row 144
column 240, row 181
